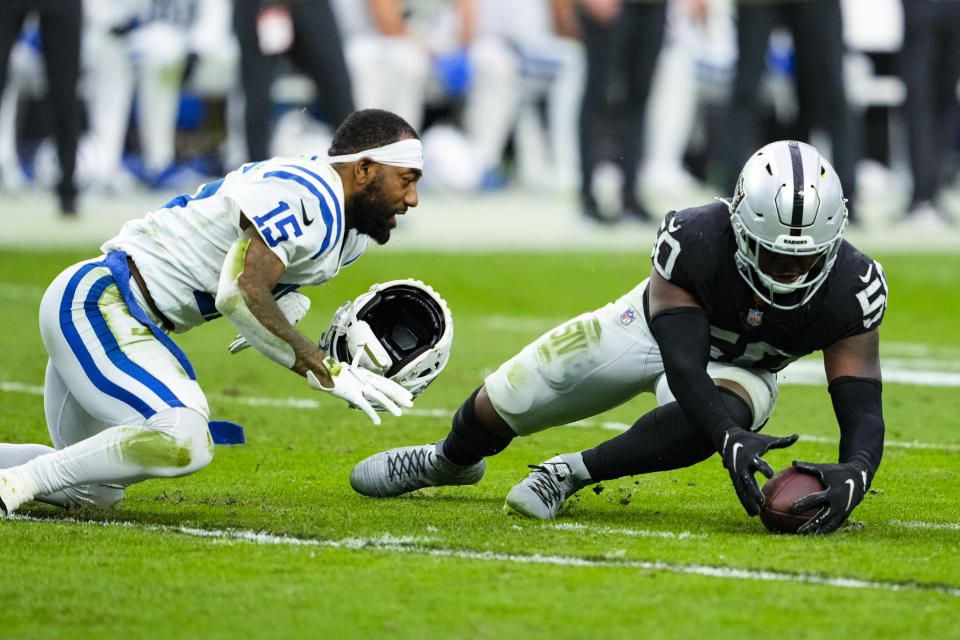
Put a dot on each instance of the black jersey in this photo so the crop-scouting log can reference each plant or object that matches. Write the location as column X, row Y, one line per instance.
column 694, row 250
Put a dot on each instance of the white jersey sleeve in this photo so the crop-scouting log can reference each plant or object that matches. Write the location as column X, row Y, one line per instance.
column 296, row 205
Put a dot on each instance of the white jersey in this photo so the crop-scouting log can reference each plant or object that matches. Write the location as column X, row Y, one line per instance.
column 296, row 204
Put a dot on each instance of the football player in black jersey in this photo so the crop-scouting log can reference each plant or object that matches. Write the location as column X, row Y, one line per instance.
column 739, row 290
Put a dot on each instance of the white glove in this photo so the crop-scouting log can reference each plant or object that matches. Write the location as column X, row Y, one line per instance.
column 294, row 306
column 359, row 387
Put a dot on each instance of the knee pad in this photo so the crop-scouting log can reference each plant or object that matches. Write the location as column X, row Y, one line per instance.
column 181, row 442
column 761, row 387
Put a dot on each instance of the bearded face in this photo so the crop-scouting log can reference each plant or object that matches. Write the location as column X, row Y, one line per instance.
column 371, row 212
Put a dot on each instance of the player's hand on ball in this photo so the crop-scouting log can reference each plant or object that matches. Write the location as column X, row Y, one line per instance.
column 360, row 387
column 742, row 453
column 845, row 485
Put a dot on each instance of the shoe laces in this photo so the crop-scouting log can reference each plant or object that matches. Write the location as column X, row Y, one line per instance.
column 407, row 463
column 546, row 482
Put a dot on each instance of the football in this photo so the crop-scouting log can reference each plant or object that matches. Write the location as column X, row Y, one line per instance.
column 779, row 494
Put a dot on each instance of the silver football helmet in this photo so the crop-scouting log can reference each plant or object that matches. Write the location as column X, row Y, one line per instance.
column 400, row 329
column 788, row 202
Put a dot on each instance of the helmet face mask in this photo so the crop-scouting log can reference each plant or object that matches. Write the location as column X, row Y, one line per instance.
column 788, row 216
column 402, row 330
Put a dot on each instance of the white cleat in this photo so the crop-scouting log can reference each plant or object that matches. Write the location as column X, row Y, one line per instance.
column 541, row 494
column 8, row 495
column 398, row 471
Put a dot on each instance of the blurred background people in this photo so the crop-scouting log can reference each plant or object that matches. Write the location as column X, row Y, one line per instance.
column 814, row 58
column 143, row 55
column 416, row 58
column 690, row 83
column 620, row 102
column 528, row 73
column 25, row 78
column 930, row 68
column 303, row 32
column 59, row 27
column 388, row 62
column 622, row 40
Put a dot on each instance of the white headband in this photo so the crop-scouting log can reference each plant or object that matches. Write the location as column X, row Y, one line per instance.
column 403, row 153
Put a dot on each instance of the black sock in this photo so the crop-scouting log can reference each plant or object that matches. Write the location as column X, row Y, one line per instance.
column 468, row 442
column 661, row 440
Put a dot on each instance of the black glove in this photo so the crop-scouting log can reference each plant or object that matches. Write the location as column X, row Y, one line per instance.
column 845, row 485
column 741, row 451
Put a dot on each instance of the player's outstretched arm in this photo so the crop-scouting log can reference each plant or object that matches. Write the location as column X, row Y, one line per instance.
column 682, row 331
column 853, row 372
column 294, row 306
column 245, row 298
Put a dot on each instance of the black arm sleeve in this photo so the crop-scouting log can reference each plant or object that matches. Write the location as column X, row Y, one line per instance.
column 857, row 403
column 683, row 334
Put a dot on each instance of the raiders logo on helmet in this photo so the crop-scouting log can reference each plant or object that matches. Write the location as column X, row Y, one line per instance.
column 400, row 329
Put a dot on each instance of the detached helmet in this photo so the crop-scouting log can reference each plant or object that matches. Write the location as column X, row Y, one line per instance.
column 400, row 329
column 788, row 201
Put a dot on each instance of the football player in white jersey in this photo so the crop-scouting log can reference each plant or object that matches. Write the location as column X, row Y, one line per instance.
column 738, row 290
column 121, row 399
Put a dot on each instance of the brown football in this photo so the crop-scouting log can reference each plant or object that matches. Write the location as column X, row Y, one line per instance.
column 779, row 494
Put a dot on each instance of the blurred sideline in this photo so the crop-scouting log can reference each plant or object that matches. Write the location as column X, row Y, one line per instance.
column 512, row 219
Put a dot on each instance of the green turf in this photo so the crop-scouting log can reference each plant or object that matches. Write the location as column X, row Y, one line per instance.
column 447, row 563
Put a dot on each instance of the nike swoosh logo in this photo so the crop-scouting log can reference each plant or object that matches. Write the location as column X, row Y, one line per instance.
column 866, row 277
column 307, row 221
column 736, row 447
column 849, row 497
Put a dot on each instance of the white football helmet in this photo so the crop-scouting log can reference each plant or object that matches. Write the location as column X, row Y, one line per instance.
column 788, row 201
column 400, row 329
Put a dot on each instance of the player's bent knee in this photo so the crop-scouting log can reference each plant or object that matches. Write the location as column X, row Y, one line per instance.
column 757, row 389
column 176, row 443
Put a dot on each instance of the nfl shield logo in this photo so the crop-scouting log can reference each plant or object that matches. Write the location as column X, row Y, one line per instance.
column 627, row 317
column 754, row 317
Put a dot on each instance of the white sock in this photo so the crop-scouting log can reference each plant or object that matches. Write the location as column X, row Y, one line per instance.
column 177, row 445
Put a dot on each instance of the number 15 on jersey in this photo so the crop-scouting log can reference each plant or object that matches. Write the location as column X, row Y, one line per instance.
column 275, row 229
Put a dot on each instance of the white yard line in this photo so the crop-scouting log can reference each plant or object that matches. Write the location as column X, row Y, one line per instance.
column 310, row 404
column 413, row 545
column 810, row 372
column 913, row 524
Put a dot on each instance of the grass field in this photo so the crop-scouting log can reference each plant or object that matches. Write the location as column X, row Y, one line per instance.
column 269, row 541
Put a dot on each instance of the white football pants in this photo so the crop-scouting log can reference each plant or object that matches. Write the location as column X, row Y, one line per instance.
column 119, row 406
column 595, row 362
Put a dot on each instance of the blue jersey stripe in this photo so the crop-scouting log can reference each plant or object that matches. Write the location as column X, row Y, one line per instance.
column 83, row 356
column 336, row 203
column 113, row 350
column 324, row 209
column 205, row 191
